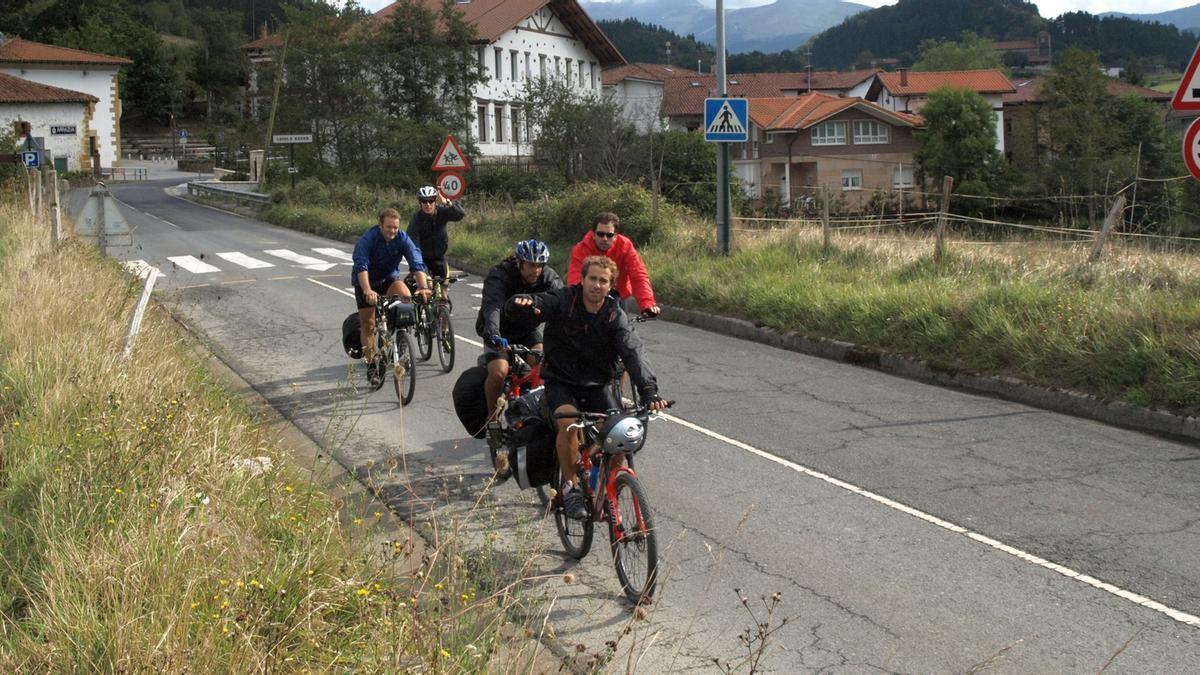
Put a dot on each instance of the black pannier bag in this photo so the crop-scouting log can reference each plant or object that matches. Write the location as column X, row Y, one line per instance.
column 402, row 315
column 352, row 337
column 533, row 445
column 469, row 402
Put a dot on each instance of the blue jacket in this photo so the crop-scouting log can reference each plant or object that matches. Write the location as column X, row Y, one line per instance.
column 381, row 258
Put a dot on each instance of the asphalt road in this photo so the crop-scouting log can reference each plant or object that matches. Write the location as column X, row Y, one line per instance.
column 907, row 528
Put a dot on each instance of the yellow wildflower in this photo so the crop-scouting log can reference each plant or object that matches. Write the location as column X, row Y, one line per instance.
column 362, row 592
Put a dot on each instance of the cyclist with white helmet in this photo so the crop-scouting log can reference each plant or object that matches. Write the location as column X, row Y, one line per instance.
column 526, row 271
column 428, row 228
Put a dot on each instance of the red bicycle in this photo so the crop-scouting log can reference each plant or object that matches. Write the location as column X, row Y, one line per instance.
column 613, row 495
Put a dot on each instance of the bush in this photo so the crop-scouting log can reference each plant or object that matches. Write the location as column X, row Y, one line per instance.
column 502, row 180
column 568, row 217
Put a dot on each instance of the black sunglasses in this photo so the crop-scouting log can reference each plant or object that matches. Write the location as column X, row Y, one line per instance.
column 426, row 201
column 606, row 235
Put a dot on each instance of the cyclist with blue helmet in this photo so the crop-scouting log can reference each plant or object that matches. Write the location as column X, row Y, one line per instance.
column 526, row 271
column 428, row 228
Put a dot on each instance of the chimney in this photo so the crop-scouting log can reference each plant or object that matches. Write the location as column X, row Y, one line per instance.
column 808, row 68
column 904, row 77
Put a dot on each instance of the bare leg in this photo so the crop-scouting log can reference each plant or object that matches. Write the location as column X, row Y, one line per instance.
column 567, row 444
column 366, row 331
column 494, row 385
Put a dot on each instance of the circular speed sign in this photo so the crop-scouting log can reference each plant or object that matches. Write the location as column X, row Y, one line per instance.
column 1191, row 149
column 452, row 185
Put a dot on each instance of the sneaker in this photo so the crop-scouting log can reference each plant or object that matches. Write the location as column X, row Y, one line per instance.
column 372, row 371
column 574, row 506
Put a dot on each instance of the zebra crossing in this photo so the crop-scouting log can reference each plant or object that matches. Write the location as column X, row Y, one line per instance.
column 239, row 260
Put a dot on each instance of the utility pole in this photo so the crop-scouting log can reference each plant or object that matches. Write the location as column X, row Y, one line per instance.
column 274, row 107
column 723, row 210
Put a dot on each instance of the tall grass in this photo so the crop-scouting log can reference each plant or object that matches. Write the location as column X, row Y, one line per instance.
column 148, row 523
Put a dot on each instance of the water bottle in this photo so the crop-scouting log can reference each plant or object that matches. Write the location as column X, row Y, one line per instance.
column 594, row 477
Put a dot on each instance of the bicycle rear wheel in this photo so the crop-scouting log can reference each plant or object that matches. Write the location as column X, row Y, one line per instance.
column 406, row 379
column 445, row 338
column 576, row 535
column 424, row 331
column 634, row 546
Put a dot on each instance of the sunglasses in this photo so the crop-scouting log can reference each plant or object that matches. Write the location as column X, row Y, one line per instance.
column 426, row 201
column 605, row 235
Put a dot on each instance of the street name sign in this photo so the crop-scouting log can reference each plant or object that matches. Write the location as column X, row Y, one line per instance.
column 726, row 120
column 290, row 139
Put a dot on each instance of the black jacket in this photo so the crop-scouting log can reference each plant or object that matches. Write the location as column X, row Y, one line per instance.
column 504, row 281
column 429, row 232
column 582, row 348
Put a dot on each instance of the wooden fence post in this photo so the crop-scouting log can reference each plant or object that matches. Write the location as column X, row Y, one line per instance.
column 826, row 231
column 1102, row 236
column 938, row 243
column 52, row 197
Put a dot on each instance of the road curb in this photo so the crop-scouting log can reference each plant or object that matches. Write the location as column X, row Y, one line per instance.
column 1008, row 388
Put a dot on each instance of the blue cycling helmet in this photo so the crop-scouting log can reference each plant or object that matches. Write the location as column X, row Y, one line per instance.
column 533, row 251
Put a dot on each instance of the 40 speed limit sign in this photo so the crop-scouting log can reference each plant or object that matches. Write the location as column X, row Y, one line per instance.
column 452, row 184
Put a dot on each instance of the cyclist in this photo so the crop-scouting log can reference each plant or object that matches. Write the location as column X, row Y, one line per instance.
column 586, row 330
column 633, row 281
column 428, row 228
column 526, row 271
column 376, row 271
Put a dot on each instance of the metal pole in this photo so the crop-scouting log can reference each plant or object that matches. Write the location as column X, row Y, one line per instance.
column 292, row 164
column 101, row 239
column 723, row 210
column 135, row 321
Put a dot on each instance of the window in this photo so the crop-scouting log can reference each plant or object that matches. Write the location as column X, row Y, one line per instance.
column 541, row 65
column 482, row 60
column 499, row 122
column 499, row 64
column 829, row 133
column 870, row 132
column 902, row 177
column 592, row 74
column 527, row 65
column 851, row 179
column 557, row 67
column 581, row 74
column 513, row 62
column 516, row 125
column 481, row 113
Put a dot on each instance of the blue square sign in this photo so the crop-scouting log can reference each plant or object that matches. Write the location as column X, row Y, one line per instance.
column 726, row 120
column 31, row 160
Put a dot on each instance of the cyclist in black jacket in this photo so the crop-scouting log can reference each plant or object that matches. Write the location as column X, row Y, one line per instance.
column 524, row 272
column 427, row 228
column 586, row 330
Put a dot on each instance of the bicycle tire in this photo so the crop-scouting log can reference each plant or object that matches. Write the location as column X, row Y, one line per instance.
column 576, row 535
column 424, row 331
column 381, row 358
column 406, row 384
column 627, row 395
column 633, row 541
column 445, row 338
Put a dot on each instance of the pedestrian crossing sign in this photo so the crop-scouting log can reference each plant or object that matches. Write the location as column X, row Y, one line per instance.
column 726, row 120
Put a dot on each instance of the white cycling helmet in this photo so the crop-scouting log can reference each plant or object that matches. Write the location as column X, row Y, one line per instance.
column 426, row 193
column 624, row 434
column 533, row 251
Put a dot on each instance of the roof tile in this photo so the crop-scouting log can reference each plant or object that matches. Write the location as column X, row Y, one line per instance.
column 15, row 89
column 16, row 50
column 922, row 83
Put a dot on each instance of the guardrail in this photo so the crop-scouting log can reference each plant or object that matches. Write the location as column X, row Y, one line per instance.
column 121, row 173
column 198, row 189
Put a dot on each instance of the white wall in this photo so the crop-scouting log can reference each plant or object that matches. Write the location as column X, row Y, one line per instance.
column 99, row 81
column 915, row 103
column 41, row 116
column 641, row 103
column 540, row 35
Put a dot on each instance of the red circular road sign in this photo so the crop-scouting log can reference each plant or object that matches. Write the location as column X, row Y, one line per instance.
column 1191, row 148
column 451, row 184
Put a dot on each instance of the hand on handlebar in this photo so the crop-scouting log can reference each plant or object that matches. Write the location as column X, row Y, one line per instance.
column 371, row 296
column 651, row 311
column 497, row 341
column 657, row 403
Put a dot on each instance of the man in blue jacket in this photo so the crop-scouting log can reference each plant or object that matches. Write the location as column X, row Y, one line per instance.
column 376, row 271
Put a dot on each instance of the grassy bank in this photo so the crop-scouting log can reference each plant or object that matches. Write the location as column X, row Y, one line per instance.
column 1126, row 328
column 149, row 523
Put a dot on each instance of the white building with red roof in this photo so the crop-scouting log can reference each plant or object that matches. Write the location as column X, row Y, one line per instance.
column 83, row 74
column 60, row 117
column 638, row 89
column 908, row 92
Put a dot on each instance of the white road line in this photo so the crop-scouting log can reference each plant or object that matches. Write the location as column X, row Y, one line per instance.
column 146, row 213
column 1170, row 612
column 475, row 285
column 1181, row 617
column 244, row 260
column 139, row 268
column 334, row 253
column 477, row 295
column 335, row 289
column 193, row 264
column 292, row 256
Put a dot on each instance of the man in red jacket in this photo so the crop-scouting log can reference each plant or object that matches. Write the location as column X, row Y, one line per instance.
column 632, row 280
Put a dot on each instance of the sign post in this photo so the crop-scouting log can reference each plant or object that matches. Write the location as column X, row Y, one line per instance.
column 726, row 120
column 291, row 140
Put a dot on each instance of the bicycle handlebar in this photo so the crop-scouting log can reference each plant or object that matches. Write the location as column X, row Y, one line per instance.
column 584, row 416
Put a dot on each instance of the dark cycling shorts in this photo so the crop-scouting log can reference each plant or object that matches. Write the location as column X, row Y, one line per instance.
column 361, row 299
column 586, row 399
column 437, row 267
column 530, row 340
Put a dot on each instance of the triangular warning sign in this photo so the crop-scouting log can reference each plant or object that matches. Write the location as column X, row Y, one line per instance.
column 450, row 157
column 1187, row 97
column 726, row 121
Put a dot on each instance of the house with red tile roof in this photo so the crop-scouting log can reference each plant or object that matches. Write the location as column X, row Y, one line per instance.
column 83, row 74
column 801, row 145
column 61, row 118
column 908, row 92
column 638, row 89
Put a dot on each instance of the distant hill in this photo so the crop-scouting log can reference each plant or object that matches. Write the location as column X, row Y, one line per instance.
column 783, row 24
column 641, row 42
column 1184, row 18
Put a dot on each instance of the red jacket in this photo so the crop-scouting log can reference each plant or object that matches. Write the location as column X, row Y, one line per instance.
column 631, row 273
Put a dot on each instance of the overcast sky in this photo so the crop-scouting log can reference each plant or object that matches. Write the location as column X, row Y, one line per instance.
column 1047, row 8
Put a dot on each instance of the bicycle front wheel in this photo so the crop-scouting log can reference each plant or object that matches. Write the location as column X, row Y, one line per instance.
column 634, row 546
column 424, row 330
column 445, row 338
column 404, row 368
column 576, row 535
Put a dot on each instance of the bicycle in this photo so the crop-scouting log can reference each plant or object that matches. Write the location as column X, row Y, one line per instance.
column 393, row 348
column 613, row 494
column 433, row 323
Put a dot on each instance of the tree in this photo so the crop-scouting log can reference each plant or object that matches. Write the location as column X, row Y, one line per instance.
column 220, row 67
column 1077, row 105
column 971, row 52
column 959, row 139
column 579, row 134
